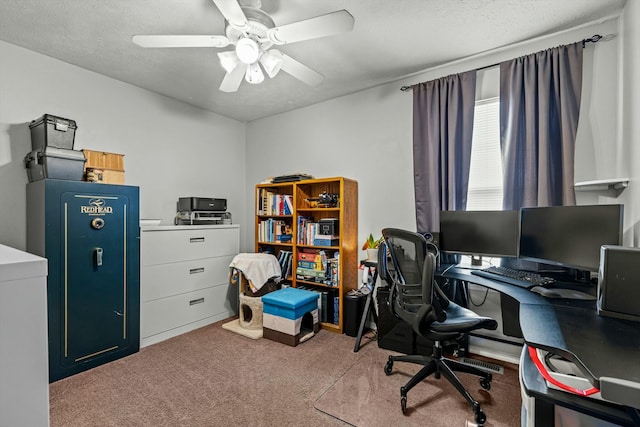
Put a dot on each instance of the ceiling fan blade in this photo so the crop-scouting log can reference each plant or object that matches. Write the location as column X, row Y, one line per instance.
column 232, row 80
column 301, row 71
column 181, row 41
column 332, row 23
column 232, row 12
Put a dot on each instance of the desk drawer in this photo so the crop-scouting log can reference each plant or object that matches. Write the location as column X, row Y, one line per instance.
column 164, row 280
column 163, row 246
column 172, row 312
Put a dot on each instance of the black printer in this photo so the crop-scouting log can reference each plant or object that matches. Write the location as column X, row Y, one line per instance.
column 202, row 210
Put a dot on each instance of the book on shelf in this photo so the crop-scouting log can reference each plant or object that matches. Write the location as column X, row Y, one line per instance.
column 284, row 238
column 306, row 264
column 315, row 274
column 325, row 312
column 328, row 304
column 310, row 272
column 307, row 254
column 292, row 177
column 274, row 230
column 259, row 207
column 302, row 223
column 310, row 232
column 325, row 242
column 288, row 204
column 332, row 275
column 285, row 260
column 318, row 259
column 271, row 203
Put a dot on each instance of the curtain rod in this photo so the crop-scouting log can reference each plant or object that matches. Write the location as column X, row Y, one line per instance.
column 594, row 39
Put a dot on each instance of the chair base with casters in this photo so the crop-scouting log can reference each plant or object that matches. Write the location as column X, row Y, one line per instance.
column 438, row 365
column 416, row 298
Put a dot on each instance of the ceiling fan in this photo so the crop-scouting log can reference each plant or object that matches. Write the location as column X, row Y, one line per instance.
column 253, row 33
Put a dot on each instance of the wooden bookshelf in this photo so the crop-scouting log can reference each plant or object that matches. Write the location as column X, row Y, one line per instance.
column 273, row 220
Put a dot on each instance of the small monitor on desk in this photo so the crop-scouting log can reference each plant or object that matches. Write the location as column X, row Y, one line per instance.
column 569, row 236
column 479, row 233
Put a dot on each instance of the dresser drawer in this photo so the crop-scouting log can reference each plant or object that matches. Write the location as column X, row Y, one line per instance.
column 164, row 246
column 163, row 280
column 164, row 314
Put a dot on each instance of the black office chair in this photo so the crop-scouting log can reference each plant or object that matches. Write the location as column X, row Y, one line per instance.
column 416, row 298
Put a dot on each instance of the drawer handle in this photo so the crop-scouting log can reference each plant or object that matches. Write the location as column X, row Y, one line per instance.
column 196, row 301
column 196, row 239
column 196, row 270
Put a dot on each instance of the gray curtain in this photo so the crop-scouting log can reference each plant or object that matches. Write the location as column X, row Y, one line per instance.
column 539, row 109
column 442, row 131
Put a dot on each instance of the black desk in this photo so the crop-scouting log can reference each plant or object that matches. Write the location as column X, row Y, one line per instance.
column 547, row 397
column 599, row 346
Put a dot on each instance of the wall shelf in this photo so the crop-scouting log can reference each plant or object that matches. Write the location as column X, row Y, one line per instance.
column 602, row 184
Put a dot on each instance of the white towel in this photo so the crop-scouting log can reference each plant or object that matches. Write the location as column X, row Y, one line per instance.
column 257, row 268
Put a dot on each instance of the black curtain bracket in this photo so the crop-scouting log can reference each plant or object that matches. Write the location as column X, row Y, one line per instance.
column 595, row 39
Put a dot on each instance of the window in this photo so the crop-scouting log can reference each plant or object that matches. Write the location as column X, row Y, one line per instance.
column 485, row 176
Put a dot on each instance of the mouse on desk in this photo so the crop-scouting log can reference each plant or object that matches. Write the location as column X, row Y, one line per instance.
column 562, row 293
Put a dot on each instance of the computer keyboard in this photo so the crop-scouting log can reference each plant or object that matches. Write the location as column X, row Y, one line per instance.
column 523, row 279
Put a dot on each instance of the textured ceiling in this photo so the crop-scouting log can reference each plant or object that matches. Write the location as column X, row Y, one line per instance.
column 391, row 39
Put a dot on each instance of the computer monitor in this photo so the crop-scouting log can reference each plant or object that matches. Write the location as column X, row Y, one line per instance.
column 569, row 236
column 479, row 233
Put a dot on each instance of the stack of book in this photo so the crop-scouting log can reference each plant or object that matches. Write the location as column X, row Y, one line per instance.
column 309, row 233
column 311, row 265
column 274, row 230
column 270, row 203
column 306, row 230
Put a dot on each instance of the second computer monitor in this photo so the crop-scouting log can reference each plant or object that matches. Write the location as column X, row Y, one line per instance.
column 570, row 236
column 483, row 233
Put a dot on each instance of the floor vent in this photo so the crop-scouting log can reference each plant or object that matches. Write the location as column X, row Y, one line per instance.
column 487, row 366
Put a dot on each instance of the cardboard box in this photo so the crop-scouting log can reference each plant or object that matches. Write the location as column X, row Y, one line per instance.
column 104, row 176
column 103, row 167
column 104, row 160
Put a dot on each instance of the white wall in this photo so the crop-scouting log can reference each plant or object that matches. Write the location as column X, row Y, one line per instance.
column 630, row 31
column 367, row 136
column 362, row 136
column 171, row 149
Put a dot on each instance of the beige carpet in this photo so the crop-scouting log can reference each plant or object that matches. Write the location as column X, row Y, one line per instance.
column 366, row 396
column 214, row 377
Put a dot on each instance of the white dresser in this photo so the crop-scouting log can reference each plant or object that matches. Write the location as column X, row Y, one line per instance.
column 184, row 278
column 24, row 361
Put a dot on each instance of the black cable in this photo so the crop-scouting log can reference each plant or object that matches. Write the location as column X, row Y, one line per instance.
column 486, row 294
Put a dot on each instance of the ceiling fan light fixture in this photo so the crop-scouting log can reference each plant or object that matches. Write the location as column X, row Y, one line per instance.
column 272, row 61
column 254, row 74
column 228, row 60
column 247, row 50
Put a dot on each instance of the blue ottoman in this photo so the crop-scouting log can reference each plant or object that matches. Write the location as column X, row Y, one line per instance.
column 290, row 315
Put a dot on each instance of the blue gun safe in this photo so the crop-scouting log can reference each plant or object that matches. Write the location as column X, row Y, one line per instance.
column 90, row 235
